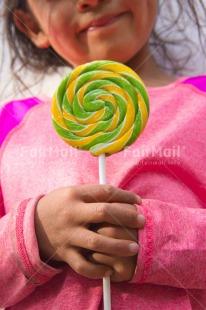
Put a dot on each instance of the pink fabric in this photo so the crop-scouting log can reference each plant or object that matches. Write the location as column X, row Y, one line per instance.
column 166, row 167
column 12, row 114
column 197, row 81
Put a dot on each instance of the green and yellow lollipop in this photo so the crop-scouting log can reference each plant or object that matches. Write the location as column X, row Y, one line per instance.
column 102, row 106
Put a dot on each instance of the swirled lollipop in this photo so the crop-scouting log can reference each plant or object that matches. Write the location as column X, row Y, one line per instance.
column 101, row 106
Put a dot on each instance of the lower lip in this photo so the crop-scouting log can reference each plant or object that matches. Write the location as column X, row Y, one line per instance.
column 110, row 22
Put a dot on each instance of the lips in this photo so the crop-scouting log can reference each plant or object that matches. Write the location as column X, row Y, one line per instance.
column 101, row 22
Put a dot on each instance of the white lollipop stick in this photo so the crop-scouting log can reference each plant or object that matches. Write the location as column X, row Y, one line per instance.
column 106, row 280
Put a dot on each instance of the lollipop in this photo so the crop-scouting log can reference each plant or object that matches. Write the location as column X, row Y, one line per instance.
column 101, row 107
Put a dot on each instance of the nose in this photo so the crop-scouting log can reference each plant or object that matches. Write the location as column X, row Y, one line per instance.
column 84, row 5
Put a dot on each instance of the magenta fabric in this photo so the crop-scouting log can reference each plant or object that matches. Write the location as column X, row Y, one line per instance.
column 12, row 114
column 165, row 166
column 197, row 81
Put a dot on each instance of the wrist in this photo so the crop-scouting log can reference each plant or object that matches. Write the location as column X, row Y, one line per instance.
column 45, row 252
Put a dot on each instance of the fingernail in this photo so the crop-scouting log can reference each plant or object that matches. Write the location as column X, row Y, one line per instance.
column 108, row 273
column 133, row 247
column 139, row 200
column 141, row 219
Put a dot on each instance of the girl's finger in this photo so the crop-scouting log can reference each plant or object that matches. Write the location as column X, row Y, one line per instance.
column 112, row 213
column 98, row 243
column 85, row 268
column 117, row 232
column 107, row 193
column 124, row 268
column 98, row 258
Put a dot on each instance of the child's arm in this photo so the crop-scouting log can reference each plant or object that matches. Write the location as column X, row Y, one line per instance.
column 21, row 270
column 172, row 246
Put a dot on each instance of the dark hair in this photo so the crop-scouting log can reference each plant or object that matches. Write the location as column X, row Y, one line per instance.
column 176, row 16
column 21, row 48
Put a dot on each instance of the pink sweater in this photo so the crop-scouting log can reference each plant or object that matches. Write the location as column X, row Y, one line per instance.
column 166, row 167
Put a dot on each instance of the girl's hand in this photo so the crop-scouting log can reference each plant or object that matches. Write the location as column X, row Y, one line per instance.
column 123, row 267
column 63, row 219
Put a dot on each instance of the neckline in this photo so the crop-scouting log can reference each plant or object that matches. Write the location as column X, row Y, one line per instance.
column 178, row 81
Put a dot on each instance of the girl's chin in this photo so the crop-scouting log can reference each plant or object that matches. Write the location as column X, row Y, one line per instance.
column 113, row 54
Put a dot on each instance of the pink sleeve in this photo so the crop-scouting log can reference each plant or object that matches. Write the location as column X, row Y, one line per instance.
column 21, row 269
column 172, row 246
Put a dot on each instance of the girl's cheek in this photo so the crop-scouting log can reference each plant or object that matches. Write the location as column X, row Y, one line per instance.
column 60, row 19
column 53, row 14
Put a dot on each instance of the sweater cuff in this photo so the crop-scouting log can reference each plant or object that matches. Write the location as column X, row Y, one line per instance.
column 146, row 244
column 25, row 244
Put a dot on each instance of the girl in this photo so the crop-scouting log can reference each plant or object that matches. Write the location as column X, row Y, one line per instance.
column 59, row 235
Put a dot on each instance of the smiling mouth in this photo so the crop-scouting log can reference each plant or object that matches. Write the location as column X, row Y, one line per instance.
column 102, row 23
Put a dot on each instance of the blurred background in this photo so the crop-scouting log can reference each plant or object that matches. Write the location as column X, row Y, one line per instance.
column 195, row 66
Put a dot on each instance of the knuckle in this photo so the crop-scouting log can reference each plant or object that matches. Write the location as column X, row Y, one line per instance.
column 133, row 208
column 123, row 271
column 70, row 192
column 130, row 217
column 102, row 209
column 109, row 189
column 92, row 242
column 133, row 196
column 111, row 232
column 118, row 247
